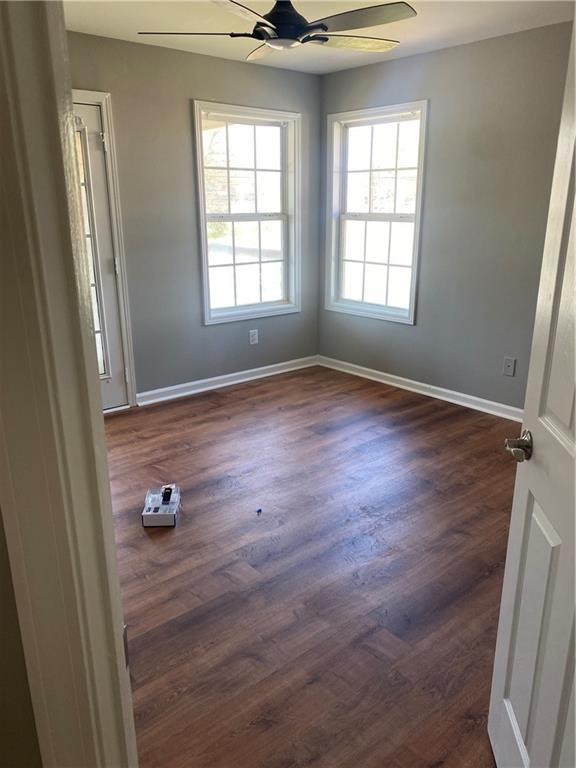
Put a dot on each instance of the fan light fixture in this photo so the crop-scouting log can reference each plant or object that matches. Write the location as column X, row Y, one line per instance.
column 282, row 43
column 283, row 27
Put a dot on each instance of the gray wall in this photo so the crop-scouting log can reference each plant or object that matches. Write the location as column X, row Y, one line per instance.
column 152, row 90
column 494, row 110
column 18, row 742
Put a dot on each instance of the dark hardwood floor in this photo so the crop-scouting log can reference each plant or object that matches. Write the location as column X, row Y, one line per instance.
column 350, row 625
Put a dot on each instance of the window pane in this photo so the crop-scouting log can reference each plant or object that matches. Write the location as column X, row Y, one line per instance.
column 271, row 240
column 216, row 191
column 401, row 243
column 272, row 280
column 221, row 287
column 268, row 147
column 383, row 191
column 220, row 249
column 377, row 227
column 359, row 139
column 214, row 142
column 80, row 157
column 245, row 194
column 408, row 140
column 377, row 236
column 357, row 192
column 352, row 276
column 406, row 192
column 375, row 284
column 240, row 145
column 85, row 216
column 354, row 240
column 269, row 195
column 100, row 354
column 95, row 309
column 399, row 287
column 248, row 284
column 242, row 193
column 90, row 257
column 384, row 146
column 246, row 241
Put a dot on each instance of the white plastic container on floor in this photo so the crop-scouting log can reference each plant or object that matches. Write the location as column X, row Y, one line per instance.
column 158, row 512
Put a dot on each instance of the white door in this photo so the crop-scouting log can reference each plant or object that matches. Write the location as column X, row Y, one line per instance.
column 531, row 720
column 100, row 252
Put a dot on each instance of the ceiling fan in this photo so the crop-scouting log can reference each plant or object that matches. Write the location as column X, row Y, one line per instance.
column 283, row 27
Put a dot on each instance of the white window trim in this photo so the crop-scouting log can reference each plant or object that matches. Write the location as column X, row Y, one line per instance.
column 292, row 195
column 334, row 186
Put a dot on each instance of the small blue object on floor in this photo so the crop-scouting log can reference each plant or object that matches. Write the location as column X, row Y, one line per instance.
column 259, row 511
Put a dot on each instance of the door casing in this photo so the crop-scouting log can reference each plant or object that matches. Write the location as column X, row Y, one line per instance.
column 54, row 485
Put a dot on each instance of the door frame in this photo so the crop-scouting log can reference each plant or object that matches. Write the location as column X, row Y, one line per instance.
column 54, row 487
column 103, row 100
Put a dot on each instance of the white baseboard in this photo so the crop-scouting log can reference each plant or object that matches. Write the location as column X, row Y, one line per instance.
column 216, row 382
column 227, row 380
column 459, row 398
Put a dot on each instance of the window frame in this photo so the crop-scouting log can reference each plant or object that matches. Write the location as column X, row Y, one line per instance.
column 89, row 222
column 336, row 214
column 291, row 214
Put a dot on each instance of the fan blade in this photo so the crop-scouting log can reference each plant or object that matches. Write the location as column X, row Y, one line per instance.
column 363, row 18
column 356, row 42
column 203, row 34
column 242, row 10
column 259, row 53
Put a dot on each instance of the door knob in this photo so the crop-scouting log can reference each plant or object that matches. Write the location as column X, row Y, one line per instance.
column 520, row 447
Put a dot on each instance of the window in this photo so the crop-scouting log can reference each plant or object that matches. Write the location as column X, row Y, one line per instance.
column 247, row 162
column 374, row 193
column 88, row 220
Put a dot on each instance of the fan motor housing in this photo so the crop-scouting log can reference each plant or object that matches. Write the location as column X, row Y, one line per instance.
column 288, row 22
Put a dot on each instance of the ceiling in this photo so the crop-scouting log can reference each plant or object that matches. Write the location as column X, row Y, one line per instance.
column 437, row 25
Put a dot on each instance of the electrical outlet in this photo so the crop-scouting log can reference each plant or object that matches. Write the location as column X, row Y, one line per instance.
column 254, row 336
column 509, row 366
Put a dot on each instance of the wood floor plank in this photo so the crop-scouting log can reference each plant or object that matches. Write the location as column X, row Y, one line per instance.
column 352, row 622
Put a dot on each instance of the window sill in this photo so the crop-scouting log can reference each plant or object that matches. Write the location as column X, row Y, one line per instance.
column 217, row 316
column 364, row 310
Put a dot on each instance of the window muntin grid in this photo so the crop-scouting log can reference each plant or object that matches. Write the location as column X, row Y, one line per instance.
column 381, row 162
column 244, row 174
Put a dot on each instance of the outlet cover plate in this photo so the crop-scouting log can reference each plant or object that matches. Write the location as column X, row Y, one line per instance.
column 509, row 366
